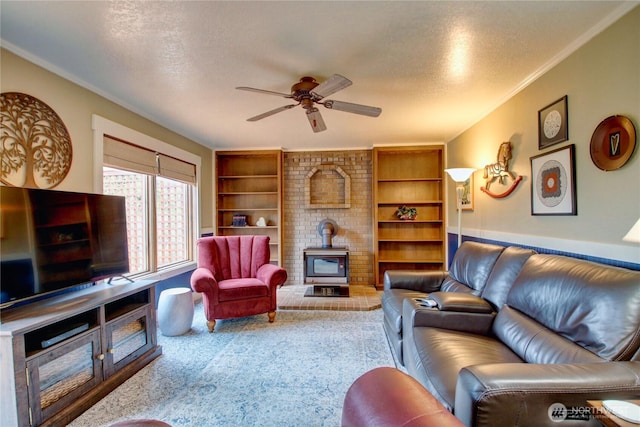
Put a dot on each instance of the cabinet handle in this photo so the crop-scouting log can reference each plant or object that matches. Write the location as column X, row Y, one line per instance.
column 112, row 350
column 100, row 357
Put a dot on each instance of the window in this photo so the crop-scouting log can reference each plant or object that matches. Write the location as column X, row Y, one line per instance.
column 160, row 190
column 153, row 202
column 134, row 187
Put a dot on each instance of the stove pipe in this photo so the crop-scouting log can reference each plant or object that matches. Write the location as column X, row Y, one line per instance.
column 327, row 229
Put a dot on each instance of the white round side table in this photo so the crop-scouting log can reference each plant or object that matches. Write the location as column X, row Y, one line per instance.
column 175, row 311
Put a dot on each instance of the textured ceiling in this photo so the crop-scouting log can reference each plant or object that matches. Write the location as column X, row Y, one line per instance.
column 434, row 67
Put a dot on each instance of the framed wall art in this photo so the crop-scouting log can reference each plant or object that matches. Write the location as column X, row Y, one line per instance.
column 553, row 126
column 553, row 183
column 467, row 195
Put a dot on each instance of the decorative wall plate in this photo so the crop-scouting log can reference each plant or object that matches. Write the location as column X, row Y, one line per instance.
column 613, row 142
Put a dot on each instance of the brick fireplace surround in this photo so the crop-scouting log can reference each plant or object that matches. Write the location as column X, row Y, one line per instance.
column 354, row 221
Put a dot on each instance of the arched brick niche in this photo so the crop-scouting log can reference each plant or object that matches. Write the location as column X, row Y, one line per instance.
column 327, row 186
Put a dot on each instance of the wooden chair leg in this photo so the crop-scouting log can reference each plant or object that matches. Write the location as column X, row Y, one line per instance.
column 211, row 324
column 272, row 316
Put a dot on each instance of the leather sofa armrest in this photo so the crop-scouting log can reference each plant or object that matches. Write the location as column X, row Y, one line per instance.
column 474, row 323
column 422, row 281
column 416, row 314
column 387, row 397
column 525, row 393
column 458, row 301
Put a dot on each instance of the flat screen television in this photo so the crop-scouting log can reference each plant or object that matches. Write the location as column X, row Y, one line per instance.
column 55, row 240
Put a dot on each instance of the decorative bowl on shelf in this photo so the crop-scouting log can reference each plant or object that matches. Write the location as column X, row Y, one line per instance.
column 406, row 213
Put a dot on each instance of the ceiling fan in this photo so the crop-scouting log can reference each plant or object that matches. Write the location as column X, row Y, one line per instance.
column 308, row 92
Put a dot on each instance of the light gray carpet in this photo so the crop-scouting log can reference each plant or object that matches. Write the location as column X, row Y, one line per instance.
column 294, row 372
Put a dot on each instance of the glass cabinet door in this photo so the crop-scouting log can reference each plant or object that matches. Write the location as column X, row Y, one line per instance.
column 59, row 376
column 127, row 338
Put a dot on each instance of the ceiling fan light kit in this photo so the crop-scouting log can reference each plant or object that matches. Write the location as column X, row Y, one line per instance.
column 308, row 92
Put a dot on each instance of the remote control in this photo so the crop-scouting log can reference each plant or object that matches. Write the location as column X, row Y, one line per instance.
column 430, row 303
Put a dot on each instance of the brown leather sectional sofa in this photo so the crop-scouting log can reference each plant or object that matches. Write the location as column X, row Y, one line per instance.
column 517, row 335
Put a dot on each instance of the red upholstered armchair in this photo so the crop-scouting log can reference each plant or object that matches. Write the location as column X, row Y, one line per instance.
column 235, row 277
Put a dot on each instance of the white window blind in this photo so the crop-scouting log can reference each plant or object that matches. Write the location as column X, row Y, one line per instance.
column 177, row 169
column 131, row 157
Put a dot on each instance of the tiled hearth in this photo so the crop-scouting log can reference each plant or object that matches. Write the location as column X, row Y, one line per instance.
column 361, row 298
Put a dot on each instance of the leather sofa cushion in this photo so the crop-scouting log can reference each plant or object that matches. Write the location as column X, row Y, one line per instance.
column 503, row 274
column 471, row 267
column 535, row 343
column 443, row 353
column 593, row 305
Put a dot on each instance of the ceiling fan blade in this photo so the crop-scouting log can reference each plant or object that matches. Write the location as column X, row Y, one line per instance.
column 271, row 113
column 349, row 107
column 330, row 86
column 266, row 92
column 315, row 120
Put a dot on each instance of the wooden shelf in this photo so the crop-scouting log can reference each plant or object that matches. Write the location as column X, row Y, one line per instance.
column 247, row 176
column 415, row 221
column 411, row 261
column 250, row 183
column 414, row 177
column 239, row 209
column 409, row 240
column 243, row 193
column 409, row 179
column 414, row 202
column 250, row 226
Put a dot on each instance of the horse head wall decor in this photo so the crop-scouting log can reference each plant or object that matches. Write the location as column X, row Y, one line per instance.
column 499, row 171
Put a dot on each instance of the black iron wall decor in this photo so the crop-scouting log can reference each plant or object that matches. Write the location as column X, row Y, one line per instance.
column 35, row 146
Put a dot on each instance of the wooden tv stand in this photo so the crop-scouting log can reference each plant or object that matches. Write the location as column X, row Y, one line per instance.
column 61, row 355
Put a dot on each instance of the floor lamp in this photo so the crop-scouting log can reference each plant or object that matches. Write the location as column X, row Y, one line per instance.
column 460, row 175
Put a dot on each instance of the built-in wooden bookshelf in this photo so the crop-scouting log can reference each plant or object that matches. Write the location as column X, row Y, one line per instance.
column 250, row 183
column 412, row 177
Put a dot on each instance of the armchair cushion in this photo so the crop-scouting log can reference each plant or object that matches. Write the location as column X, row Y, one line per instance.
column 235, row 289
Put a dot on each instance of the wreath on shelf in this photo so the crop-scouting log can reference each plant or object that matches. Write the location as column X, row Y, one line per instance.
column 404, row 212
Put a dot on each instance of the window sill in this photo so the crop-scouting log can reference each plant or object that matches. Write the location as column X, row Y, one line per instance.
column 167, row 273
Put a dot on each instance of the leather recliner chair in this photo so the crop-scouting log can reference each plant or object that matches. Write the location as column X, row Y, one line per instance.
column 468, row 273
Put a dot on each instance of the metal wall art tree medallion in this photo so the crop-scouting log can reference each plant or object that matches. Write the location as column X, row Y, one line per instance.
column 35, row 146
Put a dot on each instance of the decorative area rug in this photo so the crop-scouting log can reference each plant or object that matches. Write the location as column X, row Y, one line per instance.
column 294, row 372
column 361, row 298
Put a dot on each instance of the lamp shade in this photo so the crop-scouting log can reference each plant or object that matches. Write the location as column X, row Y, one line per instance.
column 460, row 174
column 634, row 234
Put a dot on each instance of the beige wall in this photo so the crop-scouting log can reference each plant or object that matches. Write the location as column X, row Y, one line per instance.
column 601, row 79
column 75, row 106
